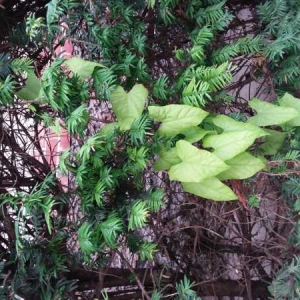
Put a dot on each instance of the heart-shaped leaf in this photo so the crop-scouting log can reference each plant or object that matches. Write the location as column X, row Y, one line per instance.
column 176, row 118
column 228, row 124
column 194, row 134
column 211, row 188
column 32, row 88
column 269, row 114
column 289, row 101
column 167, row 159
column 83, row 68
column 197, row 165
column 229, row 144
column 128, row 106
column 242, row 166
column 273, row 142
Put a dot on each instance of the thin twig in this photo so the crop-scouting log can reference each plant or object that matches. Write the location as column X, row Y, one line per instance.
column 145, row 294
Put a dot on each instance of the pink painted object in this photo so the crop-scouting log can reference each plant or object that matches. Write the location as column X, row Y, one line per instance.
column 52, row 144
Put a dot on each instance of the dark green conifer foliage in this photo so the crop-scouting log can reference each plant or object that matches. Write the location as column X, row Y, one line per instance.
column 172, row 48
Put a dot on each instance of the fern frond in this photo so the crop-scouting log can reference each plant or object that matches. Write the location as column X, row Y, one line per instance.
column 139, row 43
column 216, row 76
column 223, row 21
column 155, row 200
column 56, row 87
column 166, row 14
column 138, row 158
column 142, row 71
column 54, row 11
column 98, row 192
column 214, row 12
column 47, row 206
column 203, row 37
column 292, row 155
column 159, row 89
column 286, row 284
column 248, row 45
column 271, row 10
column 291, row 187
column 224, row 54
column 196, row 94
column 214, row 16
column 126, row 12
column 34, row 25
column 184, row 289
column 107, row 177
column 93, row 143
column 192, row 7
column 197, row 53
column 22, row 64
column 7, row 90
column 147, row 250
column 5, row 66
column 156, row 295
column 137, row 132
column 289, row 74
column 138, row 215
column 85, row 239
column 104, row 82
column 78, row 120
column 111, row 228
column 128, row 65
column 182, row 55
column 62, row 162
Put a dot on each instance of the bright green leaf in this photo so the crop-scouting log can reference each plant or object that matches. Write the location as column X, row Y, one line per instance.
column 151, row 3
column 273, row 142
column 229, row 144
column 32, row 88
column 83, row 68
column 242, row 166
column 211, row 188
column 176, row 118
column 197, row 165
column 269, row 114
column 194, row 134
column 167, row 159
column 128, row 106
column 289, row 101
column 228, row 124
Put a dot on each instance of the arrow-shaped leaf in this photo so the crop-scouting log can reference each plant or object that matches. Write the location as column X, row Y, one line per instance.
column 228, row 124
column 269, row 114
column 273, row 142
column 197, row 165
column 32, row 88
column 194, row 134
column 242, row 166
column 83, row 68
column 211, row 188
column 166, row 159
column 128, row 106
column 229, row 144
column 289, row 101
column 176, row 118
